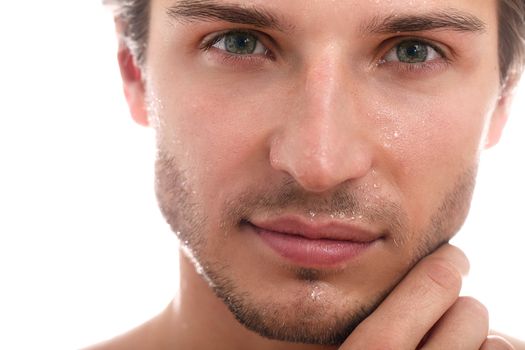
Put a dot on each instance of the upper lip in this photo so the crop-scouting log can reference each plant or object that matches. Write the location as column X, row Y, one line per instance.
column 318, row 229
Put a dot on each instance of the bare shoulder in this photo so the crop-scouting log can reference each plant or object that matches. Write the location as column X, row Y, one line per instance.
column 150, row 335
column 138, row 338
column 518, row 344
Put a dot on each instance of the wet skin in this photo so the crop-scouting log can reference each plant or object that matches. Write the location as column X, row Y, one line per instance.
column 320, row 116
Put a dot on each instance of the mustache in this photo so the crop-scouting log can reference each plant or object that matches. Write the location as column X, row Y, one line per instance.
column 344, row 202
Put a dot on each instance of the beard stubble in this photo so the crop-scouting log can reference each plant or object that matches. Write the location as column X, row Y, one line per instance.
column 186, row 217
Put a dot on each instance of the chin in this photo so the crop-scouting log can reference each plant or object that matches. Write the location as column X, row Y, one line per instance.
column 309, row 312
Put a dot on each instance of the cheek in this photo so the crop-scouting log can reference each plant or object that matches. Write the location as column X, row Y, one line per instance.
column 427, row 144
column 218, row 134
column 443, row 133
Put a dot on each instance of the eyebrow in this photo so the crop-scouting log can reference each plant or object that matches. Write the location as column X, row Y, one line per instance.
column 209, row 10
column 450, row 19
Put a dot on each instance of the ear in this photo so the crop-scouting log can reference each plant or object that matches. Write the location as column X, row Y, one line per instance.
column 500, row 114
column 134, row 89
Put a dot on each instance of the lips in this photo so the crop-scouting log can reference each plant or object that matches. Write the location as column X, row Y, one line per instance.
column 319, row 244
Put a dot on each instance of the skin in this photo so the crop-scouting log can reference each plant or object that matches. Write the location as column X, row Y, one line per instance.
column 323, row 118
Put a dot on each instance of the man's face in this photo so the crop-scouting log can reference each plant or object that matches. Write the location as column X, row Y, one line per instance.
column 308, row 158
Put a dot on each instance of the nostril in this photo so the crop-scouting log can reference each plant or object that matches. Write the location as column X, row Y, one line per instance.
column 320, row 170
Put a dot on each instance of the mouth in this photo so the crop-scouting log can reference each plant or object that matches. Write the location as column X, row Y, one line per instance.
column 309, row 244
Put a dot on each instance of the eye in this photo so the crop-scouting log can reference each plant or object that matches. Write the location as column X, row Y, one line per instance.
column 239, row 43
column 412, row 51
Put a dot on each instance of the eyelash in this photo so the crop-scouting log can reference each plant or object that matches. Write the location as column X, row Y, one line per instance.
column 257, row 59
column 413, row 68
column 229, row 58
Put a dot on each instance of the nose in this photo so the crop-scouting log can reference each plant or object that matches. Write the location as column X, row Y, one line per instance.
column 322, row 142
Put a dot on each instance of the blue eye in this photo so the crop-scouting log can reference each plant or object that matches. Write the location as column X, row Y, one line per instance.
column 239, row 43
column 412, row 51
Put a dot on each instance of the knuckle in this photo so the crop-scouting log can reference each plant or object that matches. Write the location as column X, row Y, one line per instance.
column 496, row 343
column 474, row 307
column 459, row 258
column 443, row 274
column 387, row 341
column 382, row 346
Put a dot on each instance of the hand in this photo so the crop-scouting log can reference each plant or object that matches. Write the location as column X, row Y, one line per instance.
column 425, row 311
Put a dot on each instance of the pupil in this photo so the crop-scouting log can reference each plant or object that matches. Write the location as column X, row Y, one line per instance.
column 412, row 51
column 241, row 42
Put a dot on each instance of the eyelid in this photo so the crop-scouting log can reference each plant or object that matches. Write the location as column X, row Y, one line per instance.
column 391, row 56
column 415, row 70
column 393, row 43
column 210, row 40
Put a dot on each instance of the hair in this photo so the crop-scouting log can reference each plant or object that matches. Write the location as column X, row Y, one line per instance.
column 134, row 16
column 511, row 38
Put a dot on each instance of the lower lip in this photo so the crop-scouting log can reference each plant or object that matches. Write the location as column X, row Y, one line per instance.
column 312, row 252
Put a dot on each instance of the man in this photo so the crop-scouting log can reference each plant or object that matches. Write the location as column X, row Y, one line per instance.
column 315, row 157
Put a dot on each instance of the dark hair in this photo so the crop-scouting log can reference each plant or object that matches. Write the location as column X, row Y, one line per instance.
column 511, row 38
column 134, row 16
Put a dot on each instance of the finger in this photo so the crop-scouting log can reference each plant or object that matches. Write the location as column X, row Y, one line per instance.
column 455, row 255
column 464, row 326
column 494, row 342
column 415, row 305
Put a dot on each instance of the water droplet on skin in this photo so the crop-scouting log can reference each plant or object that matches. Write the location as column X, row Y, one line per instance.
column 312, row 214
column 376, row 186
column 315, row 295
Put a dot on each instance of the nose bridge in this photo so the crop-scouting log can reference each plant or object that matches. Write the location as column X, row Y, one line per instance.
column 321, row 86
column 324, row 100
column 318, row 145
column 320, row 119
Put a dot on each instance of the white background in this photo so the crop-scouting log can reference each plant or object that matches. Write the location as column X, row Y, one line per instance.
column 84, row 253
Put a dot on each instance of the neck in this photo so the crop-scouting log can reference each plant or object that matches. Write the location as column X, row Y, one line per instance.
column 198, row 319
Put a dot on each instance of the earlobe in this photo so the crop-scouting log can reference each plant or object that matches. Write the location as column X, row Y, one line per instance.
column 134, row 90
column 499, row 116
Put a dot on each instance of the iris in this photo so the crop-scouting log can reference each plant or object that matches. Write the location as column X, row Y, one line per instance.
column 240, row 43
column 412, row 52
